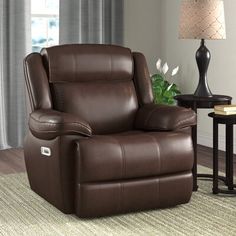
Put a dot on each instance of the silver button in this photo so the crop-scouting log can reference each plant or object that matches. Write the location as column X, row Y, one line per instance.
column 46, row 151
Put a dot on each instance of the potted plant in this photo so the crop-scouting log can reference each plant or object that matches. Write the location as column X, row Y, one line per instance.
column 163, row 90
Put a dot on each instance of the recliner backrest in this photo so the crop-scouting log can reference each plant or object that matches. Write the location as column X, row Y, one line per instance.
column 95, row 82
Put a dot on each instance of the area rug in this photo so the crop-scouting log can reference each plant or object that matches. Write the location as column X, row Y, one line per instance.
column 22, row 212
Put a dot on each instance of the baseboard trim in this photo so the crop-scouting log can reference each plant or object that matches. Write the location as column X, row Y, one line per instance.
column 206, row 139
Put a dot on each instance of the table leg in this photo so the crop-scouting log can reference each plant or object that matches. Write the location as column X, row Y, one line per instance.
column 194, row 139
column 229, row 156
column 215, row 157
column 194, row 170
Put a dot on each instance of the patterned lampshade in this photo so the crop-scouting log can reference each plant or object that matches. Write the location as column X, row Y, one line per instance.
column 202, row 19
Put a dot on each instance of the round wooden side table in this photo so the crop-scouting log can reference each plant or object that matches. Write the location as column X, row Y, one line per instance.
column 195, row 103
column 229, row 121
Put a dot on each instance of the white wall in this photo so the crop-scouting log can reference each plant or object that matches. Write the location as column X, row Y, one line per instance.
column 151, row 26
column 142, row 28
column 222, row 70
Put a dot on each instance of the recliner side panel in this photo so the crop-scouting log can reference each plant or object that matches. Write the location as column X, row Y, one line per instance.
column 53, row 176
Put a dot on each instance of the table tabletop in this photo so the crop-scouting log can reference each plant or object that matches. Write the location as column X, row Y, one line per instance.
column 189, row 100
column 223, row 118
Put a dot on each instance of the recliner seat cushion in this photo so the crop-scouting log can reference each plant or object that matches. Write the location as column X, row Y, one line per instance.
column 126, row 156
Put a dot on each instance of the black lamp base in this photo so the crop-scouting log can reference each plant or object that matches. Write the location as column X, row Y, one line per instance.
column 203, row 57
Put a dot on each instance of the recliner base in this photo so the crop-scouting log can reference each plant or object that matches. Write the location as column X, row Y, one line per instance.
column 109, row 198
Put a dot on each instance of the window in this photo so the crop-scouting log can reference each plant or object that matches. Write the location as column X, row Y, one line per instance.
column 44, row 23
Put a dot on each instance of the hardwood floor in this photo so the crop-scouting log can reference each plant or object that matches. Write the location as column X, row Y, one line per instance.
column 12, row 160
column 204, row 155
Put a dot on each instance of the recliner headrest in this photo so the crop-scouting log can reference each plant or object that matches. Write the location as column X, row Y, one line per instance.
column 87, row 62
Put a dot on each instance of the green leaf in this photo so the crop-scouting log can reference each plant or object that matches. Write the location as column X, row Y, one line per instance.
column 163, row 91
column 157, row 77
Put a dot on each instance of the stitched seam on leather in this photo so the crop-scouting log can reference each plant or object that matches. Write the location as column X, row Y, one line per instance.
column 32, row 104
column 60, row 123
column 183, row 121
column 60, row 172
column 52, row 131
column 124, row 160
column 59, row 131
column 56, row 133
column 117, row 141
column 122, row 157
column 174, row 127
column 55, row 126
column 157, row 151
column 92, row 81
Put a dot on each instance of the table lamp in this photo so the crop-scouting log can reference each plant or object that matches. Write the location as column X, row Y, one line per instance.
column 202, row 19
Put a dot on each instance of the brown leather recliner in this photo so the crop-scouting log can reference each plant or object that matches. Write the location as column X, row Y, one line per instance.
column 97, row 144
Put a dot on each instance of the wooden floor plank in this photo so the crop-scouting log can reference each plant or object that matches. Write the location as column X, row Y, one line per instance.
column 12, row 161
column 204, row 155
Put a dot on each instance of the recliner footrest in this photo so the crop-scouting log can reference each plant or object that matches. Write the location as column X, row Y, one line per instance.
column 108, row 198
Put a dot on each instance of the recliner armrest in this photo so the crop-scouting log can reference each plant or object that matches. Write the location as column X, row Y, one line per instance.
column 164, row 117
column 48, row 124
